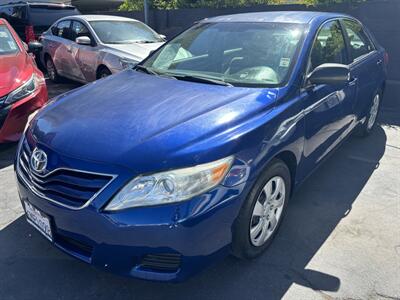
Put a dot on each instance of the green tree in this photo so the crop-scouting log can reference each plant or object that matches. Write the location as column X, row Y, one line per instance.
column 174, row 4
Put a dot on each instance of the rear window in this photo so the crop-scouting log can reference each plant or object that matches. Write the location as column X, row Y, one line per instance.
column 47, row 15
column 14, row 14
column 7, row 43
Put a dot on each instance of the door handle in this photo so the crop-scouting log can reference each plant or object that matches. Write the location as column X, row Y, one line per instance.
column 353, row 81
column 379, row 62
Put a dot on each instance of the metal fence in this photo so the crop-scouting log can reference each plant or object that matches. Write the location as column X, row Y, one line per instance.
column 382, row 17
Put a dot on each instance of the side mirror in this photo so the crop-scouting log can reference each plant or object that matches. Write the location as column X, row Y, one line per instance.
column 334, row 74
column 83, row 40
column 35, row 47
column 164, row 37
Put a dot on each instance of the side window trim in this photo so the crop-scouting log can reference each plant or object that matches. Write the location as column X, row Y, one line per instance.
column 361, row 58
column 70, row 26
column 90, row 34
column 308, row 65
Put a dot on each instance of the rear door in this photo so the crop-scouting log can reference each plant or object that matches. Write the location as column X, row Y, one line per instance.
column 325, row 117
column 58, row 46
column 367, row 66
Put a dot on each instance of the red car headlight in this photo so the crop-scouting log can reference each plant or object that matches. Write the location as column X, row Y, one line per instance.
column 25, row 90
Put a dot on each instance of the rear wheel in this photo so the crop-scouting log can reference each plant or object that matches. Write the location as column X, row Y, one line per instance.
column 366, row 128
column 51, row 70
column 263, row 211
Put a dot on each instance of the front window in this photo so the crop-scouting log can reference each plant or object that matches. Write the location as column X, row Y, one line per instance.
column 329, row 46
column 241, row 54
column 7, row 42
column 124, row 32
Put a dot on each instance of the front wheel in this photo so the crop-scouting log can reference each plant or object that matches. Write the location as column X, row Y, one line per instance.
column 263, row 211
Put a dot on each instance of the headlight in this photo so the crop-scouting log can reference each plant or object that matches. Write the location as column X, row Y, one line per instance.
column 23, row 91
column 127, row 63
column 171, row 186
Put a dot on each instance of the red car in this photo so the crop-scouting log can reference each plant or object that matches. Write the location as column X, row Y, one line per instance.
column 22, row 85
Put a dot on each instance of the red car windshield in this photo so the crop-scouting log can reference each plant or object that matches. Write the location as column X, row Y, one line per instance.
column 8, row 45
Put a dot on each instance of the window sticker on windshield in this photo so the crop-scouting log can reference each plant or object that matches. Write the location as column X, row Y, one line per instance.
column 285, row 62
column 3, row 34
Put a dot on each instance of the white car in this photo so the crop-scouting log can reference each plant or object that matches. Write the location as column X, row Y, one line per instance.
column 88, row 47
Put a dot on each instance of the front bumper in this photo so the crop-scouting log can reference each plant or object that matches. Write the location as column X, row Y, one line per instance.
column 163, row 243
column 13, row 118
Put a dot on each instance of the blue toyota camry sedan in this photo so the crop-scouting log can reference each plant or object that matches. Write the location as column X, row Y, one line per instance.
column 160, row 170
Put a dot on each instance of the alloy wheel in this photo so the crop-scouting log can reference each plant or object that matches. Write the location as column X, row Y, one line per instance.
column 267, row 211
column 373, row 112
column 51, row 70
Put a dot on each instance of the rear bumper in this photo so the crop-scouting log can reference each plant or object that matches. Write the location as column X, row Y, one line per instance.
column 185, row 237
column 14, row 117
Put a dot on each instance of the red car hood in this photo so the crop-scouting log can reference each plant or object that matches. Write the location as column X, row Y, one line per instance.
column 14, row 70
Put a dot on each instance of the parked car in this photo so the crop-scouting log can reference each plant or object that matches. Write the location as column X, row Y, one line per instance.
column 31, row 19
column 22, row 85
column 88, row 47
column 156, row 172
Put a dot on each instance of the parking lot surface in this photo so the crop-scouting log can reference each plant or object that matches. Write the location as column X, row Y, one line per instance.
column 340, row 238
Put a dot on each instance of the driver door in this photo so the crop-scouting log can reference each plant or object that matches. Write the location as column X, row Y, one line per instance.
column 324, row 105
column 85, row 56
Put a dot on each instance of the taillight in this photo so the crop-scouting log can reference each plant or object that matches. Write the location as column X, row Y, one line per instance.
column 29, row 34
column 386, row 58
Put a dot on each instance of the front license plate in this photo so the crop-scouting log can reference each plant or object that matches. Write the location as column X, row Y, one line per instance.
column 39, row 220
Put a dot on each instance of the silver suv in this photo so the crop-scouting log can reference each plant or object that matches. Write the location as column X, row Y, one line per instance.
column 88, row 47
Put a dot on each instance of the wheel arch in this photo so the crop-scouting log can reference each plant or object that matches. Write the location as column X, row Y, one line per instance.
column 290, row 160
column 100, row 67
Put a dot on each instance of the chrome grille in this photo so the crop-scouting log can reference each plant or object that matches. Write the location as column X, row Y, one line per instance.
column 71, row 188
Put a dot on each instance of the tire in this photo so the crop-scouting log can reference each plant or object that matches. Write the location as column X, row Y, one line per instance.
column 103, row 73
column 246, row 245
column 365, row 129
column 52, row 70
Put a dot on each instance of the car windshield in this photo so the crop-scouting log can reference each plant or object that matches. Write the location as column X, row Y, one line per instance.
column 124, row 32
column 7, row 43
column 240, row 54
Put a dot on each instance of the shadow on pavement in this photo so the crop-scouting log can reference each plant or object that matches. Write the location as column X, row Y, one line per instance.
column 31, row 268
column 7, row 154
column 65, row 85
column 390, row 112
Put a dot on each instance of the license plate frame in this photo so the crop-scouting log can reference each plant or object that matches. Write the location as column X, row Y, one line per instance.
column 39, row 220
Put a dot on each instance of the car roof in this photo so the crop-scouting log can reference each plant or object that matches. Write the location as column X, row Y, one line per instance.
column 301, row 17
column 89, row 18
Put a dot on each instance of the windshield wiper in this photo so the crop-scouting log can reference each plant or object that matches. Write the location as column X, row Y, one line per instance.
column 201, row 79
column 143, row 42
column 145, row 70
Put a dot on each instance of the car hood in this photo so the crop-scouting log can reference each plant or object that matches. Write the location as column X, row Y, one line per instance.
column 139, row 50
column 14, row 70
column 141, row 121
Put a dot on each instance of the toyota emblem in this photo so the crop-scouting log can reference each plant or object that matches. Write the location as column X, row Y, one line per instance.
column 38, row 161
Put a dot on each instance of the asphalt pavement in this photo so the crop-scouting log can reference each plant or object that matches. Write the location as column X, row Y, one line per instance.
column 340, row 238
